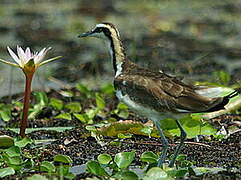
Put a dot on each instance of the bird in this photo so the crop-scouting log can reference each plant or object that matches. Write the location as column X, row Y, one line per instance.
column 154, row 94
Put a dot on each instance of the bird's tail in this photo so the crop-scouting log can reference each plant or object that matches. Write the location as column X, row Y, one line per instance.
column 224, row 102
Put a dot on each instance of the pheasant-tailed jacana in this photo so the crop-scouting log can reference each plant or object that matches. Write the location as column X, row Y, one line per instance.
column 154, row 94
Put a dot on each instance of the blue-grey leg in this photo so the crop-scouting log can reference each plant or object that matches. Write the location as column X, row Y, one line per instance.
column 178, row 149
column 165, row 144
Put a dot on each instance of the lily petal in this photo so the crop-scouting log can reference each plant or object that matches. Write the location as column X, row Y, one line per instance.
column 28, row 53
column 22, row 55
column 41, row 55
column 14, row 56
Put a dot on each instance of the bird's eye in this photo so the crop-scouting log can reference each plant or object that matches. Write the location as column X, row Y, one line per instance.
column 98, row 30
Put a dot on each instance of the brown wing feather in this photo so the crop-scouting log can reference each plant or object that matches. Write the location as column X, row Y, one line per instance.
column 164, row 93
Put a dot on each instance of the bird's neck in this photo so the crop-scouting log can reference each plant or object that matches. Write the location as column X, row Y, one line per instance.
column 117, row 53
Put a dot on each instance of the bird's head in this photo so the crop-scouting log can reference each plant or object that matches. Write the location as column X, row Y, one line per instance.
column 104, row 31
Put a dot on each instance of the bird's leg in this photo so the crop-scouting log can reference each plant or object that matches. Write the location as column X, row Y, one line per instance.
column 165, row 144
column 177, row 151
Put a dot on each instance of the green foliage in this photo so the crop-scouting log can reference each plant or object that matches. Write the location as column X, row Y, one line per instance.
column 41, row 101
column 56, row 103
column 124, row 159
column 5, row 111
column 15, row 161
column 6, row 141
column 66, row 116
column 37, row 177
column 104, row 158
column 63, row 159
column 6, row 172
column 23, row 142
column 121, row 111
column 73, row 107
column 100, row 102
column 149, row 157
column 119, row 165
column 223, row 77
column 156, row 173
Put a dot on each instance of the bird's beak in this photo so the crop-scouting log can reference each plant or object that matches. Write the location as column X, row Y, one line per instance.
column 85, row 34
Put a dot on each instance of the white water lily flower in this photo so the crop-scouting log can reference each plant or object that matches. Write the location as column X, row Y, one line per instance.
column 28, row 60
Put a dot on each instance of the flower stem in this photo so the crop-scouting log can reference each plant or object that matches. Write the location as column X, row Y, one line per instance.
column 27, row 93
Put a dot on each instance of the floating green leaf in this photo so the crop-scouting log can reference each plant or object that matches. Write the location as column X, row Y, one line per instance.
column 56, row 103
column 47, row 166
column 104, row 158
column 126, row 175
column 41, row 98
column 124, row 159
column 95, row 168
column 6, row 172
column 156, row 173
column 63, row 159
column 13, row 151
column 100, row 102
column 107, row 89
column 23, row 142
column 5, row 112
column 83, row 89
column 6, row 141
column 149, row 157
column 74, row 107
column 66, row 116
column 37, row 177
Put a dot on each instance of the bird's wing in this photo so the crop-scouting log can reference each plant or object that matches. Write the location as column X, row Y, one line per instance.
column 164, row 93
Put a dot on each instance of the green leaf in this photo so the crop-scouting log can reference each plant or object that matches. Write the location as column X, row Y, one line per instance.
column 149, row 157
column 41, row 98
column 6, row 172
column 5, row 115
column 203, row 170
column 156, row 173
column 177, row 172
column 124, row 136
column 6, row 141
column 63, row 159
column 5, row 112
column 104, row 158
column 67, row 93
column 13, row 151
column 124, row 159
column 91, row 113
column 82, row 88
column 126, row 175
column 108, row 89
column 56, row 103
column 14, row 161
column 83, row 118
column 23, row 142
column 122, row 106
column 66, row 116
column 74, row 107
column 95, row 168
column 223, row 76
column 37, row 177
column 100, row 102
column 47, row 166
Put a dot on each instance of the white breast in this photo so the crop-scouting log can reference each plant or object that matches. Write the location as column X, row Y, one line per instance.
column 141, row 110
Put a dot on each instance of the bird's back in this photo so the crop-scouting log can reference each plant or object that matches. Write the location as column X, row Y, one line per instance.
column 163, row 93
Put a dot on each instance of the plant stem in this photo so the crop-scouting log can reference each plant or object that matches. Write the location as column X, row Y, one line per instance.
column 27, row 93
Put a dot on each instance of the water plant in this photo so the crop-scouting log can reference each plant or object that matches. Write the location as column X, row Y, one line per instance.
column 29, row 62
